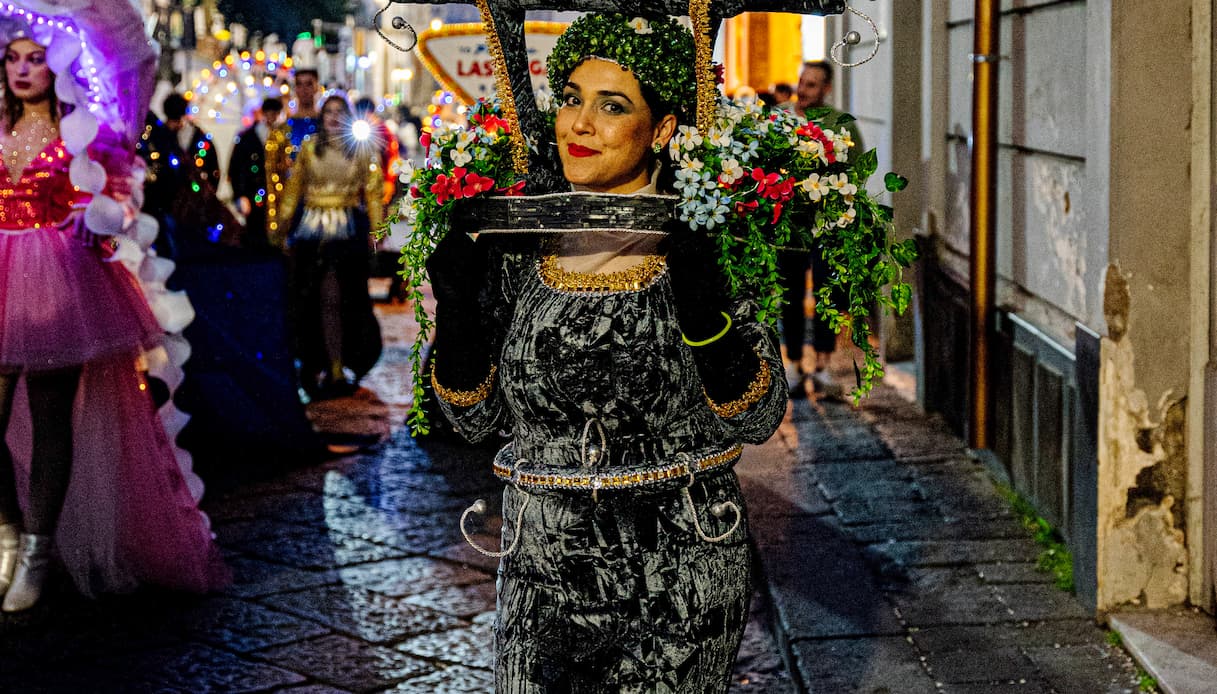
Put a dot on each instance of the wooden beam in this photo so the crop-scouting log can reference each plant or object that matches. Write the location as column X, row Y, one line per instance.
column 718, row 8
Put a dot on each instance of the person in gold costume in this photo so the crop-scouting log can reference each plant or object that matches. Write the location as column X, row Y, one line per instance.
column 332, row 200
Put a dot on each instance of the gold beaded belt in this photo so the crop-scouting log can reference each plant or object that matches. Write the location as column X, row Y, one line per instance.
column 623, row 480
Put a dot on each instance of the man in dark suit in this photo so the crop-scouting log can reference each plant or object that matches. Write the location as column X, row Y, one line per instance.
column 180, row 188
column 247, row 172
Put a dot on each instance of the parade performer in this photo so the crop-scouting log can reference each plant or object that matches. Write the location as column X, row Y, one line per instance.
column 283, row 146
column 628, row 377
column 87, row 465
column 336, row 185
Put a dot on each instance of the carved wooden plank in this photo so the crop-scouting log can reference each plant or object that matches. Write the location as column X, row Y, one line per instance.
column 718, row 8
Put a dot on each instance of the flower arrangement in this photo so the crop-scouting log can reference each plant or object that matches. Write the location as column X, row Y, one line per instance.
column 763, row 180
column 462, row 162
column 759, row 181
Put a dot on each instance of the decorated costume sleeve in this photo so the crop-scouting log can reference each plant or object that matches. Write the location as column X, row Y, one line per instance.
column 277, row 160
column 475, row 336
column 294, row 188
column 743, row 377
column 373, row 191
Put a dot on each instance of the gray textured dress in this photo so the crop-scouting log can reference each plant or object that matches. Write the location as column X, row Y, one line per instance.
column 629, row 589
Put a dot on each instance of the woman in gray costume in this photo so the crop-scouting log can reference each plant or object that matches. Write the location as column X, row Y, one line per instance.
column 629, row 379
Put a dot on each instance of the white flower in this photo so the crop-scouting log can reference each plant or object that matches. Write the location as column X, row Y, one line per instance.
column 745, row 149
column 641, row 26
column 720, row 138
column 407, row 210
column 405, row 170
column 460, row 157
column 732, row 172
column 689, row 164
column 847, row 218
column 840, row 183
column 689, row 137
column 815, row 186
column 811, row 148
column 841, row 144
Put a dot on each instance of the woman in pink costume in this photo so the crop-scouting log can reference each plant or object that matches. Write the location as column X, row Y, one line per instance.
column 86, row 466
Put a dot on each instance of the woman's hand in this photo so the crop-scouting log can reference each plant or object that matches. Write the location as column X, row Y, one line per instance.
column 457, row 268
column 726, row 361
column 698, row 285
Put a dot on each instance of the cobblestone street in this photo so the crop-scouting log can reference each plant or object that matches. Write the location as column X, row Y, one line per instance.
column 888, row 563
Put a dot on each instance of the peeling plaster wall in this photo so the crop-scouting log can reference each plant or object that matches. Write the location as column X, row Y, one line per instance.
column 1142, row 556
column 1143, row 467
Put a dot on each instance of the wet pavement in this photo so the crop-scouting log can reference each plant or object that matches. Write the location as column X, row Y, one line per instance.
column 888, row 563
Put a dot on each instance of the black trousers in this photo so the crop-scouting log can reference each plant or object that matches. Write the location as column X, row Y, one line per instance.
column 793, row 266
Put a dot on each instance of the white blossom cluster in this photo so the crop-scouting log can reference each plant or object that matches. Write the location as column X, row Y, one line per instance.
column 713, row 169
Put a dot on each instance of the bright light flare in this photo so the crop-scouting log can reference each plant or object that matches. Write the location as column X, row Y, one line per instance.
column 361, row 130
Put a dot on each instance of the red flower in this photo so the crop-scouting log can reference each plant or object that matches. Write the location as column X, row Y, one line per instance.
column 764, row 180
column 445, row 187
column 513, row 190
column 492, row 123
column 777, row 212
column 475, row 184
column 814, row 132
column 425, row 140
column 781, row 191
column 744, row 208
column 811, row 130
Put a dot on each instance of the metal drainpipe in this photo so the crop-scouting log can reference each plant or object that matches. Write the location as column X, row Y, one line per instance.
column 984, row 218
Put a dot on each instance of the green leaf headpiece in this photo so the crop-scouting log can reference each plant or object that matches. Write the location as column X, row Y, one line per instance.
column 658, row 51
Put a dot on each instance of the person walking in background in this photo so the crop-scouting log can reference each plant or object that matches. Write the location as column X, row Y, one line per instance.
column 282, row 146
column 180, row 187
column 304, row 118
column 194, row 145
column 337, row 187
column 815, row 84
column 247, row 172
column 783, row 95
column 380, row 139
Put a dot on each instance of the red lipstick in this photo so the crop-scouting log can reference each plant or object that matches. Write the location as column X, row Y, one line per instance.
column 580, row 151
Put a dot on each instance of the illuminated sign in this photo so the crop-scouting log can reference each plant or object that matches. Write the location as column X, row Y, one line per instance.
column 457, row 56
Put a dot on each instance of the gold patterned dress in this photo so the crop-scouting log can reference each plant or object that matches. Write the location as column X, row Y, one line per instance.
column 333, row 199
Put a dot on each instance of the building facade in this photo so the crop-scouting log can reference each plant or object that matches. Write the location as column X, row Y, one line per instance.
column 1103, row 378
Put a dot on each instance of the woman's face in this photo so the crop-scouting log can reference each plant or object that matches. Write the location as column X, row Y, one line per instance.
column 605, row 130
column 26, row 71
column 334, row 116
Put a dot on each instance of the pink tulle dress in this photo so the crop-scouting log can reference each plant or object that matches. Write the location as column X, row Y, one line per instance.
column 129, row 517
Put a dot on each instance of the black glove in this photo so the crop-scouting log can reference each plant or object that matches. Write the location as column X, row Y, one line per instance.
column 728, row 364
column 462, row 353
column 457, row 268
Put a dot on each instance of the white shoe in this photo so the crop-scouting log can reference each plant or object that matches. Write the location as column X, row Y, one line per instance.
column 794, row 380
column 9, row 548
column 824, row 384
column 32, row 568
